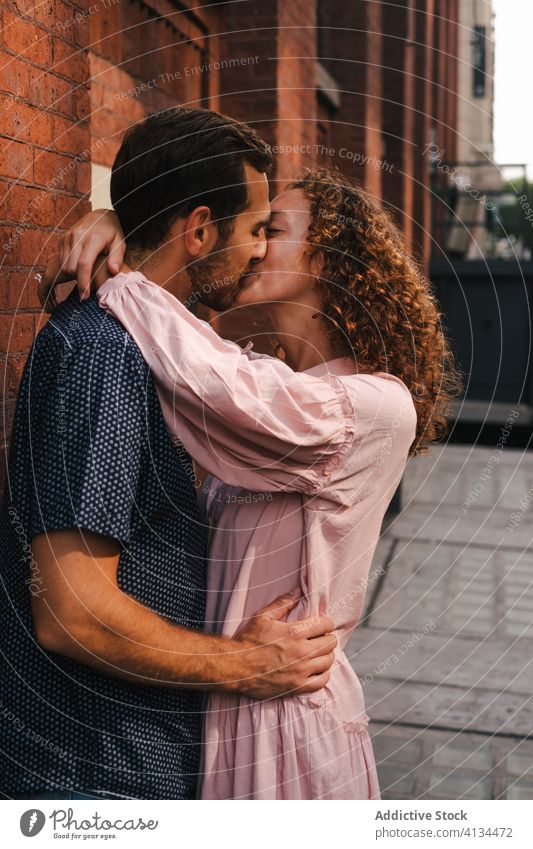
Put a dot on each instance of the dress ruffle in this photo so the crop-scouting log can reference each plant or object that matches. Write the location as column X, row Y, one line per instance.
column 290, row 748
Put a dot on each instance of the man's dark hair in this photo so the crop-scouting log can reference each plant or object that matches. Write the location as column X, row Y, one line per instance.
column 176, row 160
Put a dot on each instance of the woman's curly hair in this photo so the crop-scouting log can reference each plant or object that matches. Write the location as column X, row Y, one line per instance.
column 378, row 306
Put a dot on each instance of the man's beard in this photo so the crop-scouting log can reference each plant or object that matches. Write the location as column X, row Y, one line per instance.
column 214, row 282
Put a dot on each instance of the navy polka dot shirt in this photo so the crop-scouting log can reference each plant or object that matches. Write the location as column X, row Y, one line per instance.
column 90, row 450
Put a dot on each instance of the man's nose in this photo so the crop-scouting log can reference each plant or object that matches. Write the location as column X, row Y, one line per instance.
column 260, row 249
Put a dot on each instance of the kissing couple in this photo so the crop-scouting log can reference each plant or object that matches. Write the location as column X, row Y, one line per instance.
column 201, row 518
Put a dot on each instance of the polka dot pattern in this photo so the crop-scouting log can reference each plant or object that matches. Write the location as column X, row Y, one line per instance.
column 90, row 449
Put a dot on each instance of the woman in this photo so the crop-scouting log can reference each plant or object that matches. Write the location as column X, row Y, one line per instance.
column 304, row 455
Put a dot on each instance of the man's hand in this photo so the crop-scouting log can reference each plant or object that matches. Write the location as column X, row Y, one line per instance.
column 81, row 612
column 286, row 658
column 98, row 232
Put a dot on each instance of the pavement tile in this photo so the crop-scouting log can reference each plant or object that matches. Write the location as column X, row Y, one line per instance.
column 465, row 572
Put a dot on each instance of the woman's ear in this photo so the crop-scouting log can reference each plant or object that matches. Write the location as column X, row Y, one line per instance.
column 200, row 233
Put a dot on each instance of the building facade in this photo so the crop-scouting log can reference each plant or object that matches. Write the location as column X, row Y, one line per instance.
column 475, row 174
column 365, row 86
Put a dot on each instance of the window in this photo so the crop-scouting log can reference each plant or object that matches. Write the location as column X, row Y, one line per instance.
column 479, row 61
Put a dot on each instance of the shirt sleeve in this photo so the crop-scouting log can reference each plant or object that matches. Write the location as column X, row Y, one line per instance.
column 252, row 422
column 86, row 433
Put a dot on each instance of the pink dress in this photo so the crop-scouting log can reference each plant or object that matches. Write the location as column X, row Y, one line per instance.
column 302, row 468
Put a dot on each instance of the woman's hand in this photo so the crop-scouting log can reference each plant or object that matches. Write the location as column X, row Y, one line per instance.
column 98, row 232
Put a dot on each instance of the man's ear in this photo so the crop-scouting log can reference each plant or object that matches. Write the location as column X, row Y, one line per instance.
column 200, row 233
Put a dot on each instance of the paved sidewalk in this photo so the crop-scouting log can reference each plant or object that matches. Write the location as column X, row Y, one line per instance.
column 445, row 651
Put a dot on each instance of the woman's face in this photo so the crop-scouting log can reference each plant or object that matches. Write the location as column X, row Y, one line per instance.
column 284, row 273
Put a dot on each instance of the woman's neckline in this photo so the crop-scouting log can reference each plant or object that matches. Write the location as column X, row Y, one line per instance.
column 337, row 366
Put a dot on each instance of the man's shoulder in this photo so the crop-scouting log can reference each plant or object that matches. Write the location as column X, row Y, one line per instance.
column 81, row 328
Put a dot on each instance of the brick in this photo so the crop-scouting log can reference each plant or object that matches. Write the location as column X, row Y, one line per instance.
column 104, row 151
column 110, row 20
column 36, row 246
column 27, row 41
column 108, row 124
column 9, row 246
column 16, row 332
column 55, row 171
column 16, row 160
column 109, row 76
column 69, row 137
column 68, row 210
column 6, row 419
column 21, row 291
column 81, row 29
column 83, row 178
column 11, row 368
column 83, row 102
column 48, row 13
column 5, row 189
column 14, row 75
column 28, row 123
column 31, row 206
column 24, row 7
column 98, row 95
column 68, row 61
column 97, row 65
column 52, row 92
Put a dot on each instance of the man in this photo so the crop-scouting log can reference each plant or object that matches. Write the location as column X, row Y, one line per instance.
column 103, row 548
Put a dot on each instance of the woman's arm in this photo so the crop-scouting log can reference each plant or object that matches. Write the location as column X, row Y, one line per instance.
column 78, row 250
column 252, row 422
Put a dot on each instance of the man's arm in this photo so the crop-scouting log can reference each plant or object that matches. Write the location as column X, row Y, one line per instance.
column 82, row 613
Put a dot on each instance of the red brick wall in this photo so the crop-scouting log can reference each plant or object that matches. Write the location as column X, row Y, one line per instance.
column 419, row 106
column 276, row 93
column 296, row 87
column 374, row 99
column 445, row 76
column 248, row 92
column 142, row 63
column 398, row 104
column 425, row 29
column 44, row 163
column 352, row 49
column 444, row 92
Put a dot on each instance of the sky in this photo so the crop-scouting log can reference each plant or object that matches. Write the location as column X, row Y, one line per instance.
column 513, row 112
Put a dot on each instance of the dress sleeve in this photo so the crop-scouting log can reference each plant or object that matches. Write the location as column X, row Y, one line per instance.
column 250, row 421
